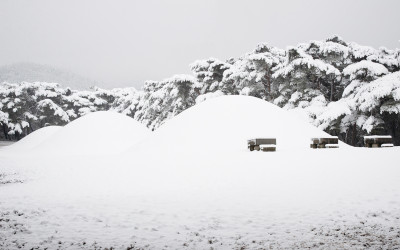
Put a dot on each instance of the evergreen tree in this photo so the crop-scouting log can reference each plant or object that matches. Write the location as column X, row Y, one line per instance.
column 303, row 78
column 209, row 74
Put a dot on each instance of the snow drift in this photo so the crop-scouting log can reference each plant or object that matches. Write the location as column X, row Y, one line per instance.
column 96, row 133
column 34, row 139
column 224, row 124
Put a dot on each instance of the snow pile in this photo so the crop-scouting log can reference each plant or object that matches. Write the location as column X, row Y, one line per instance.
column 224, row 124
column 34, row 139
column 96, row 133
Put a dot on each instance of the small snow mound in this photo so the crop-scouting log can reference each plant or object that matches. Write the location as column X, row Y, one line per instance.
column 34, row 139
column 226, row 123
column 97, row 133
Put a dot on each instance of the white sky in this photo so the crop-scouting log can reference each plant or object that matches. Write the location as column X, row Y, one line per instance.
column 124, row 43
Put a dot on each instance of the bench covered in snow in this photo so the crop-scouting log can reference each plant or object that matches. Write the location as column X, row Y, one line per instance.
column 268, row 147
column 378, row 141
column 264, row 144
column 325, row 142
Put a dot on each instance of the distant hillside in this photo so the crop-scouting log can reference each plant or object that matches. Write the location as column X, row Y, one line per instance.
column 32, row 72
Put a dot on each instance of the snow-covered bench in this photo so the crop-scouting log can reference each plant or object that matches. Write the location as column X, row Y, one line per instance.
column 264, row 144
column 325, row 142
column 268, row 147
column 378, row 141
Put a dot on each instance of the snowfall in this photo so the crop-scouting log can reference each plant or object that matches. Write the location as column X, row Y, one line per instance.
column 106, row 181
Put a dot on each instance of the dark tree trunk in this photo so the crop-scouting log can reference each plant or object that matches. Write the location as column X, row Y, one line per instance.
column 353, row 139
column 30, row 128
column 332, row 86
column 5, row 132
column 267, row 84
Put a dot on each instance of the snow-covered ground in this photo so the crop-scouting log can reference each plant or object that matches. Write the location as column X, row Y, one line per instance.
column 193, row 184
column 6, row 143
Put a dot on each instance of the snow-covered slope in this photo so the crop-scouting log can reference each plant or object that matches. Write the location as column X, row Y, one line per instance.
column 98, row 133
column 34, row 139
column 224, row 124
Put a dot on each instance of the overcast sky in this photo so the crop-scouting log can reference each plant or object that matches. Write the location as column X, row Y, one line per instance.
column 124, row 43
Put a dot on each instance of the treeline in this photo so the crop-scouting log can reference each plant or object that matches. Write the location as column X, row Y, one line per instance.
column 344, row 88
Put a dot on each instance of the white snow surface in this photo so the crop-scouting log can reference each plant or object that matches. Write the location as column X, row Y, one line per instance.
column 377, row 136
column 34, row 139
column 97, row 133
column 192, row 184
column 374, row 69
column 224, row 124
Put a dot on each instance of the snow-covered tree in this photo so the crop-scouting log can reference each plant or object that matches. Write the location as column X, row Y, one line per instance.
column 345, row 117
column 165, row 99
column 252, row 73
column 209, row 73
column 303, row 78
column 17, row 105
column 49, row 113
column 380, row 101
column 333, row 51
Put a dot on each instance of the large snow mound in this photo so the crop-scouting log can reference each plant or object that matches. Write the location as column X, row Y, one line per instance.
column 97, row 133
column 224, row 124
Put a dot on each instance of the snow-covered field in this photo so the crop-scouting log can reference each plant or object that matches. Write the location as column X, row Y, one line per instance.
column 104, row 181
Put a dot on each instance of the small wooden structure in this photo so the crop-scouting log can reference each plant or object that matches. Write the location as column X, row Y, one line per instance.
column 378, row 141
column 263, row 144
column 325, row 142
